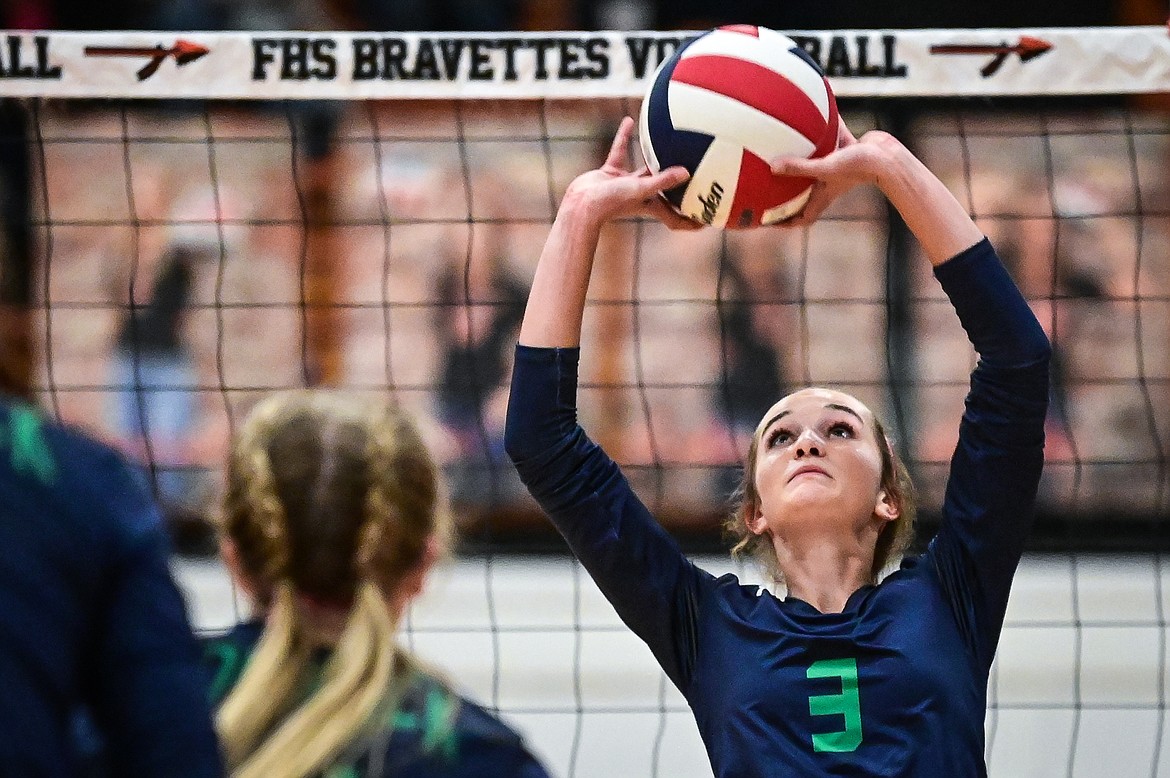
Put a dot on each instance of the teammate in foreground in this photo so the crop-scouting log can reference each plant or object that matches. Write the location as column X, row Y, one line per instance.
column 93, row 629
column 332, row 517
column 845, row 675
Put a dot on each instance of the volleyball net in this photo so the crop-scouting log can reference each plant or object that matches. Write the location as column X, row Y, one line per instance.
column 212, row 217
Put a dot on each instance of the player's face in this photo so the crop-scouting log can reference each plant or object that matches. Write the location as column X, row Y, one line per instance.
column 817, row 464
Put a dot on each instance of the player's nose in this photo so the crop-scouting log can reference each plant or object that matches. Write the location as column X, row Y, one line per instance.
column 809, row 444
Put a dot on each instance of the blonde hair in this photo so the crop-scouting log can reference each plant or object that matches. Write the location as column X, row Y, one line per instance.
column 891, row 544
column 329, row 500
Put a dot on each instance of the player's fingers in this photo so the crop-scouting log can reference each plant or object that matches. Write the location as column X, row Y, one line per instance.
column 676, row 221
column 658, row 208
column 808, row 213
column 822, row 197
column 845, row 136
column 665, row 179
column 794, row 166
column 807, row 217
column 684, row 224
column 621, row 142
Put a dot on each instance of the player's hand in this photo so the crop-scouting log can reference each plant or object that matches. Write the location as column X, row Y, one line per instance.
column 852, row 163
column 614, row 190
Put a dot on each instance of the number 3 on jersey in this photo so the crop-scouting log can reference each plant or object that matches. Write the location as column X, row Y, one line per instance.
column 847, row 704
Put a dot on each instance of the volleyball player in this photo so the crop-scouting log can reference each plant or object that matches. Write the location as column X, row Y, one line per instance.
column 844, row 675
column 93, row 630
column 331, row 518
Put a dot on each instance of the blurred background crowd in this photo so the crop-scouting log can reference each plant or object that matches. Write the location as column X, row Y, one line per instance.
column 212, row 254
column 199, row 266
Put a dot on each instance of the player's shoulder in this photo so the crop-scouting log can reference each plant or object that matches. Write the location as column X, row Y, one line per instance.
column 906, row 581
column 67, row 472
column 435, row 732
column 745, row 602
column 729, row 586
column 482, row 740
column 38, row 446
column 470, row 720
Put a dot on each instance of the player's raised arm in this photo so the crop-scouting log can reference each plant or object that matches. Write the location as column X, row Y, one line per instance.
column 932, row 213
column 556, row 302
column 996, row 467
column 637, row 566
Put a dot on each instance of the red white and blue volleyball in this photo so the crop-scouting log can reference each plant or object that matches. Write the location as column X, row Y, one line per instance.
column 726, row 104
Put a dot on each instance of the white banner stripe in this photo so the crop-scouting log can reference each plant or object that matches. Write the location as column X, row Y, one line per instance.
column 564, row 65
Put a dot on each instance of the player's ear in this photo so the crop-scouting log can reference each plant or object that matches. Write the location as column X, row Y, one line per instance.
column 412, row 583
column 235, row 567
column 886, row 508
column 754, row 519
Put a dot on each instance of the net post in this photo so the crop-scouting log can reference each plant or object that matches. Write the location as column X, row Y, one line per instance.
column 322, row 273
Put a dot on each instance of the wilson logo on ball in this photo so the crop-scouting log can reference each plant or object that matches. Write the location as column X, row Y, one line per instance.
column 711, row 203
column 725, row 105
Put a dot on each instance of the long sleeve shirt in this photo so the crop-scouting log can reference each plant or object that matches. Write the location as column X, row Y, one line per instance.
column 90, row 617
column 896, row 683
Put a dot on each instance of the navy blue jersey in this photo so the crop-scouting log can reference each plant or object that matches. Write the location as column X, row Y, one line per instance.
column 896, row 683
column 90, row 618
column 431, row 732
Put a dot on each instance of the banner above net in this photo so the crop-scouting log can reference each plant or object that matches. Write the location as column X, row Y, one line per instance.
column 569, row 65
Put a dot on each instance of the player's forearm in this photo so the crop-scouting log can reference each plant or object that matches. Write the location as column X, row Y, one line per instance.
column 939, row 222
column 996, row 317
column 556, row 303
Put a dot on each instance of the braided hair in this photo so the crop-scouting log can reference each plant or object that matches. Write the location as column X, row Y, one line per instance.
column 331, row 501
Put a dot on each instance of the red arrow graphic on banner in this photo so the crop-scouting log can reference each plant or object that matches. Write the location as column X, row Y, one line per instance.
column 1027, row 48
column 183, row 52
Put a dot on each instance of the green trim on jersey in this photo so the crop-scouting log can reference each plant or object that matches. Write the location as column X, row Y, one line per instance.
column 28, row 450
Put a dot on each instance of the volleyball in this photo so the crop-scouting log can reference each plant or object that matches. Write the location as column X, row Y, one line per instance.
column 725, row 105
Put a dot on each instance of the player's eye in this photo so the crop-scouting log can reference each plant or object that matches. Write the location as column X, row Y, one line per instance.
column 841, row 429
column 779, row 437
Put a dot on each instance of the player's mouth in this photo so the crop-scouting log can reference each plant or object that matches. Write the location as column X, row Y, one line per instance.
column 808, row 470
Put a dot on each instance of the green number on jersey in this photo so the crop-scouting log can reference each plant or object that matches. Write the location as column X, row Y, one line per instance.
column 847, row 704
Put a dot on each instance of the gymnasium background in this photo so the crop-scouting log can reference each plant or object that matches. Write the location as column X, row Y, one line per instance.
column 387, row 245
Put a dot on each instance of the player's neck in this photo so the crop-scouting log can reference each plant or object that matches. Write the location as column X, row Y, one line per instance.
column 824, row 574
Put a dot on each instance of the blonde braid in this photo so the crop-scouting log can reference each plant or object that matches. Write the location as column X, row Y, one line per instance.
column 267, row 511
column 267, row 683
column 254, row 514
column 356, row 680
column 382, row 504
column 405, row 502
column 400, row 511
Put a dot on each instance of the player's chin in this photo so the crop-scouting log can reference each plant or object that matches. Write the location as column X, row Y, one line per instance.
column 813, row 490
